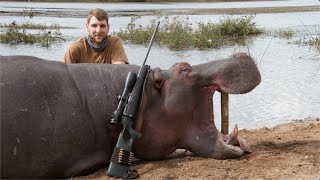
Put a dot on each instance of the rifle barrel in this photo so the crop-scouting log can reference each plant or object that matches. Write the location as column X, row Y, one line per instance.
column 151, row 41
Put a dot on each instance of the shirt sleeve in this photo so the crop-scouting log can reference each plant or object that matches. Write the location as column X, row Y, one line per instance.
column 119, row 52
column 71, row 55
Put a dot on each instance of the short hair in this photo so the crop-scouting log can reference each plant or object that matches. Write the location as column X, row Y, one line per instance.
column 100, row 14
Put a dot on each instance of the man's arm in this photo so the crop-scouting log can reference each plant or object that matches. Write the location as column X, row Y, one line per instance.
column 119, row 56
column 71, row 55
column 68, row 59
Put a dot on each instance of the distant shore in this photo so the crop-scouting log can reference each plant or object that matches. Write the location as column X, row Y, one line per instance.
column 80, row 13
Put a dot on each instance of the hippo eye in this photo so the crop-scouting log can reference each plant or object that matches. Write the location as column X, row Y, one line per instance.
column 186, row 69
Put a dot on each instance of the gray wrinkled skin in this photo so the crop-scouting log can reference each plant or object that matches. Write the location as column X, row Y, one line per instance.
column 55, row 118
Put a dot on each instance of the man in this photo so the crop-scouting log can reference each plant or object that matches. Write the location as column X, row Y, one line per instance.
column 98, row 47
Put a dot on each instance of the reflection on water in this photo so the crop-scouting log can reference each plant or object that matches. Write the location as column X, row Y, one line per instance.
column 290, row 73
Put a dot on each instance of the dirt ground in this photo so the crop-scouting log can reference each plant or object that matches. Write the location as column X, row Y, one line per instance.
column 288, row 151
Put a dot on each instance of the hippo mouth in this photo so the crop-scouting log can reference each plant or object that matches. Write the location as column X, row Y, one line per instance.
column 232, row 140
column 211, row 88
column 187, row 96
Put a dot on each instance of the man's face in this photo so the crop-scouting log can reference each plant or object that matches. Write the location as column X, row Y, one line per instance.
column 98, row 30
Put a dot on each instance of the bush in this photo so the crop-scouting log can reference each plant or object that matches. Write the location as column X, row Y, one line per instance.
column 180, row 34
column 45, row 35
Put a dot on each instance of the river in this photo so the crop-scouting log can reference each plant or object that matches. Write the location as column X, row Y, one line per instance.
column 290, row 87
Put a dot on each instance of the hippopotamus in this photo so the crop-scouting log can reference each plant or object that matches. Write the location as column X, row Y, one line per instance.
column 55, row 117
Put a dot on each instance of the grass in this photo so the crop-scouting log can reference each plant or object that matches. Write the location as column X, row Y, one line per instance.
column 29, row 25
column 284, row 33
column 28, row 12
column 30, row 33
column 177, row 34
column 316, row 42
column 180, row 34
column 22, row 33
column 302, row 38
column 309, row 41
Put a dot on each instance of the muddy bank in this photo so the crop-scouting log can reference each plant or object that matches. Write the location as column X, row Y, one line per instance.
column 287, row 151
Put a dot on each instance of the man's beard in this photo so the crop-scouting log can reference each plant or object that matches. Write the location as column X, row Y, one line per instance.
column 99, row 47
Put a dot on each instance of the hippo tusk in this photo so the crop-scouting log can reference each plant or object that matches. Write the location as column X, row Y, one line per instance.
column 244, row 145
column 232, row 138
column 224, row 112
column 235, row 140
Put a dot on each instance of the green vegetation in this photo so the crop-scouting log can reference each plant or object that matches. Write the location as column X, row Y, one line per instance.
column 310, row 41
column 304, row 39
column 30, row 33
column 28, row 12
column 316, row 42
column 284, row 33
column 180, row 34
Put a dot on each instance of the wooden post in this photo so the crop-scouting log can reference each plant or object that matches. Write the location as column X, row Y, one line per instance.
column 224, row 113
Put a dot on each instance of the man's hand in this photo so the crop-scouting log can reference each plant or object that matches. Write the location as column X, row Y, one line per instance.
column 119, row 62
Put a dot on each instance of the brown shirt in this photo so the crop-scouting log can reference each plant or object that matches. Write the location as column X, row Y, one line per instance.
column 80, row 52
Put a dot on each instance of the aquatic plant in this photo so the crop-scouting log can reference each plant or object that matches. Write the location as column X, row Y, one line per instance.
column 28, row 12
column 316, row 42
column 30, row 33
column 284, row 33
column 313, row 41
column 179, row 33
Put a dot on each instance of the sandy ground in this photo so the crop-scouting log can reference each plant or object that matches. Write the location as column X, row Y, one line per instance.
column 288, row 151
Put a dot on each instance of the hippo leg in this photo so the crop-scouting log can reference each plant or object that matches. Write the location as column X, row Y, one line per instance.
column 88, row 164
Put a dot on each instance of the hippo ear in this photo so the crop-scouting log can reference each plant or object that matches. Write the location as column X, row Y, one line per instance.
column 158, row 83
column 158, row 80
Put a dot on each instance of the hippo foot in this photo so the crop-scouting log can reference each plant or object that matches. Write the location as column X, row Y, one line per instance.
column 236, row 140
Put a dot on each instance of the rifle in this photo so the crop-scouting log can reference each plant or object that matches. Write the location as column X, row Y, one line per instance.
column 126, row 114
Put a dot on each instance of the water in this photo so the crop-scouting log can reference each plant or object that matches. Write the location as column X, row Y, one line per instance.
column 17, row 6
column 290, row 73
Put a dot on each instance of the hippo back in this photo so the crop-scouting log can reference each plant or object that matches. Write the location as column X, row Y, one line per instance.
column 55, row 117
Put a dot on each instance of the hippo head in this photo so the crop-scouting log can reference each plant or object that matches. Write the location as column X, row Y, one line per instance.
column 177, row 112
